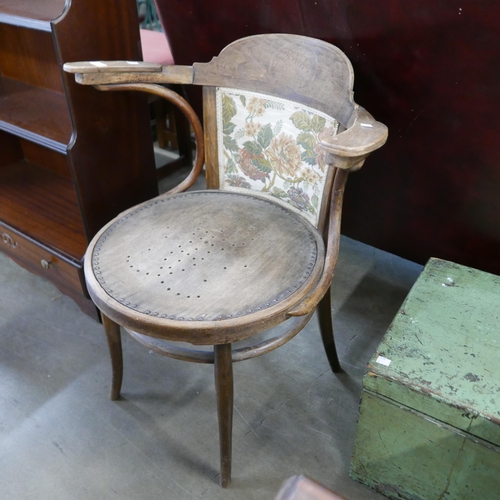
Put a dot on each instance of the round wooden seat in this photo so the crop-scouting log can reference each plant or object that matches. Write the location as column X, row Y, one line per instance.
column 200, row 257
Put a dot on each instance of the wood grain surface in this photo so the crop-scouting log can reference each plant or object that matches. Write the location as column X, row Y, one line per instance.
column 207, row 256
column 43, row 10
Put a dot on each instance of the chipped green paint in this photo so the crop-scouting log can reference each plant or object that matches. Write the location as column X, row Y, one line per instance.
column 429, row 425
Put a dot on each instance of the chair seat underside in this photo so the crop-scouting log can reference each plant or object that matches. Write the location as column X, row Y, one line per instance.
column 206, row 256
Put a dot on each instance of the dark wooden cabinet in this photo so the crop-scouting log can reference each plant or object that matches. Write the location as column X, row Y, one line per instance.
column 428, row 70
column 71, row 158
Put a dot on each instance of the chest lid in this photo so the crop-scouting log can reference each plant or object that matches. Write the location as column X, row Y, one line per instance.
column 441, row 354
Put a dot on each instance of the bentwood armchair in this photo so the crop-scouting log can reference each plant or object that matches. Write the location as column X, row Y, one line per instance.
column 260, row 246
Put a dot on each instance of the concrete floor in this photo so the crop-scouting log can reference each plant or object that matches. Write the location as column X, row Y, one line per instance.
column 62, row 438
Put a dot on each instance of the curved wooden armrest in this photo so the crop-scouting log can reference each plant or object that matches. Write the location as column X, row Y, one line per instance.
column 188, row 112
column 110, row 72
column 170, row 96
column 332, row 253
column 349, row 149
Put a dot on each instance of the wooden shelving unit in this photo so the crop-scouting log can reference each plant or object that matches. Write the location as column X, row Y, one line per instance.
column 52, row 124
column 71, row 157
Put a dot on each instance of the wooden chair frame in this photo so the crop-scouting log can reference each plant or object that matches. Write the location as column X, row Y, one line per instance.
column 268, row 64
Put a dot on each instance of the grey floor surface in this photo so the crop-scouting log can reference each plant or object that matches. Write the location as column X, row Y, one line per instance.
column 62, row 438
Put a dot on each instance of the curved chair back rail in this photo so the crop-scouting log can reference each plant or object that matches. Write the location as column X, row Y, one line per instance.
column 260, row 247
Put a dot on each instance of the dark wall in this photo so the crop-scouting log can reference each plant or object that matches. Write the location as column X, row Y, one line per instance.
column 430, row 70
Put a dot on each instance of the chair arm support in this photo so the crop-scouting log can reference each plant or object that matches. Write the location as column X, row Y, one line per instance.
column 347, row 152
column 332, row 253
column 188, row 112
column 349, row 149
column 109, row 72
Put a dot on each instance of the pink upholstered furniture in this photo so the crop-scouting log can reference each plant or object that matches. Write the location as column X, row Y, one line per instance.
column 155, row 47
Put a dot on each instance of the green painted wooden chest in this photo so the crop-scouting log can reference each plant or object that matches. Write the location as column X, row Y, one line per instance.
column 429, row 421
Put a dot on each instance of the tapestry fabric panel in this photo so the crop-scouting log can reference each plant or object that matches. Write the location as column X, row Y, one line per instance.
column 271, row 146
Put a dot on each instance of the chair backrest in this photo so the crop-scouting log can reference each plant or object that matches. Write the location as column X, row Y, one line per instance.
column 268, row 102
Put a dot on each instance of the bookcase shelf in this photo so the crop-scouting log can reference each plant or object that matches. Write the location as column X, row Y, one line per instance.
column 31, row 14
column 35, row 113
column 43, row 205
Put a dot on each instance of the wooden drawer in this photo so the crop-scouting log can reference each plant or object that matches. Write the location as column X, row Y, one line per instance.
column 62, row 271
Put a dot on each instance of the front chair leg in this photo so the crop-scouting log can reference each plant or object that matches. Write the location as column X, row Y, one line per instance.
column 326, row 328
column 112, row 330
column 224, row 388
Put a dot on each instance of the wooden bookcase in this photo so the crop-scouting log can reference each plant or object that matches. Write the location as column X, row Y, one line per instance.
column 71, row 157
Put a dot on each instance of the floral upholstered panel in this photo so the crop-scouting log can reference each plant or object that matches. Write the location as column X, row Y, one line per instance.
column 271, row 145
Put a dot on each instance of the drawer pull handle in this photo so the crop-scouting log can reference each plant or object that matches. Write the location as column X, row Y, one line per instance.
column 8, row 240
column 45, row 263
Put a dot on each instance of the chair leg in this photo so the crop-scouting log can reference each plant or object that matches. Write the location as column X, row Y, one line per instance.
column 224, row 388
column 113, row 335
column 326, row 328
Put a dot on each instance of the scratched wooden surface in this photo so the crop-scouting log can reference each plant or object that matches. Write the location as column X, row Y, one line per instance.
column 430, row 411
